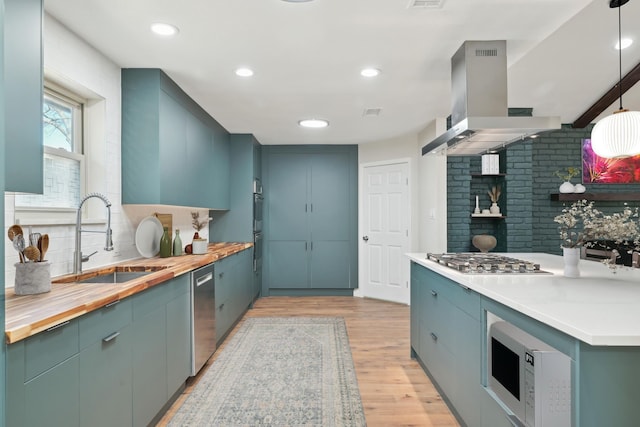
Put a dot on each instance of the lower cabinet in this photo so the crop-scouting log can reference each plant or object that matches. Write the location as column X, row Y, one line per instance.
column 116, row 366
column 56, row 392
column 446, row 337
column 105, row 381
column 233, row 286
column 161, row 347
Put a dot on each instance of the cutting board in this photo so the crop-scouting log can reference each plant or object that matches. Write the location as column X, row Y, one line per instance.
column 167, row 221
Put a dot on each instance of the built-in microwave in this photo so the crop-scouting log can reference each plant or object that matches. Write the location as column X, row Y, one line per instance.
column 529, row 377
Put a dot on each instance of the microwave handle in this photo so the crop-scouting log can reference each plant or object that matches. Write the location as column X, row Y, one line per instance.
column 515, row 422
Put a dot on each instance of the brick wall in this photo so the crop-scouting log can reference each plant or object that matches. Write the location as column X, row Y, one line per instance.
column 529, row 180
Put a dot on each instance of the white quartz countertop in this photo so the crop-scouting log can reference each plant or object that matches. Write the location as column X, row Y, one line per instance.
column 600, row 307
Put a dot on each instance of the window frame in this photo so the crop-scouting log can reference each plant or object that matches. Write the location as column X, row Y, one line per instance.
column 44, row 215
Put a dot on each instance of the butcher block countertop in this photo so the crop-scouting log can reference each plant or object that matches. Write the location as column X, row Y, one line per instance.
column 29, row 314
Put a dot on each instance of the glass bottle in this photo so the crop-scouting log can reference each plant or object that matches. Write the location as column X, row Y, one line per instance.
column 177, row 244
column 165, row 244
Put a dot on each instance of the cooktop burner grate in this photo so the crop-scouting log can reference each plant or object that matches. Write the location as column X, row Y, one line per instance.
column 485, row 263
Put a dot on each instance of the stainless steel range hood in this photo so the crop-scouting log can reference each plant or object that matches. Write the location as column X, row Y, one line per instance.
column 479, row 104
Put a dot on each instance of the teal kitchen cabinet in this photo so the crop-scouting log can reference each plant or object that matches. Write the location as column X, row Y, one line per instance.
column 446, row 338
column 106, row 393
column 233, row 284
column 178, row 334
column 310, row 220
column 236, row 224
column 23, row 97
column 161, row 347
column 115, row 366
column 173, row 152
column 43, row 379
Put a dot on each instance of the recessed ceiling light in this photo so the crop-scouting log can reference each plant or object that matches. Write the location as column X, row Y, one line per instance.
column 313, row 123
column 296, row 1
column 625, row 43
column 163, row 29
column 244, row 72
column 369, row 72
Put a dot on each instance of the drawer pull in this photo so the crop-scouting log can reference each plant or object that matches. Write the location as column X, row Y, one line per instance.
column 220, row 275
column 59, row 325
column 111, row 304
column 111, row 337
column 434, row 294
column 434, row 336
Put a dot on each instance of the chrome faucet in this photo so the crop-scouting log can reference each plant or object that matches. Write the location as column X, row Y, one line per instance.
column 78, row 259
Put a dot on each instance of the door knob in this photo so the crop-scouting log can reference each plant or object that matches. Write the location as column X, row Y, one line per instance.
column 365, row 238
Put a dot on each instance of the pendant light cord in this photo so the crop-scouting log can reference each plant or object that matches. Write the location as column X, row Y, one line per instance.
column 620, row 53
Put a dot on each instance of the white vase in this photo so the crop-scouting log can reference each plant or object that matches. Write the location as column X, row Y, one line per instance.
column 494, row 209
column 567, row 187
column 579, row 188
column 571, row 258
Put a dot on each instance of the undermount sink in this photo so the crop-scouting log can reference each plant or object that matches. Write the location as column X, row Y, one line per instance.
column 115, row 277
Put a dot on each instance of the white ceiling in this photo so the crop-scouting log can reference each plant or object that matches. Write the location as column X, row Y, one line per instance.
column 307, row 57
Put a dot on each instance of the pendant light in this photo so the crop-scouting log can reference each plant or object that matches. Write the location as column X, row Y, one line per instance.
column 618, row 135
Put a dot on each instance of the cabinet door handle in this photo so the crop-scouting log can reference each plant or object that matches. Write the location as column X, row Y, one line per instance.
column 434, row 336
column 111, row 337
column 220, row 275
column 311, row 207
column 59, row 325
column 311, row 245
column 434, row 293
column 306, row 206
column 305, row 246
column 111, row 304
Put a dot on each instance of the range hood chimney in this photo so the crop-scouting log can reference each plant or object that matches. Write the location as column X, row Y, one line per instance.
column 479, row 104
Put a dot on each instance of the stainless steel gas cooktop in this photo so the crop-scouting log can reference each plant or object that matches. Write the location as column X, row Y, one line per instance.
column 485, row 263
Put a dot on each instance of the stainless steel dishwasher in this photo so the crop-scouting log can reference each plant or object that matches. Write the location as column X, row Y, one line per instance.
column 203, row 317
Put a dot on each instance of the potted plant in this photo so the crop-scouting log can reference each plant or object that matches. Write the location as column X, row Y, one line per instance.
column 198, row 245
column 581, row 224
column 566, row 175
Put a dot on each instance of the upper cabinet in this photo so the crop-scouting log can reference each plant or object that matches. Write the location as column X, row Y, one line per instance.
column 173, row 152
column 236, row 224
column 23, row 95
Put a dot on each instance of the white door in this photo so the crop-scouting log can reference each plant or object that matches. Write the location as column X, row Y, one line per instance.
column 385, row 232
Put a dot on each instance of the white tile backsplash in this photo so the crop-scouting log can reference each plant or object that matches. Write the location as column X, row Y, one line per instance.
column 70, row 58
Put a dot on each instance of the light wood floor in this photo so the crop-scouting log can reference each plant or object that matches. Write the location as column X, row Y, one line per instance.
column 395, row 390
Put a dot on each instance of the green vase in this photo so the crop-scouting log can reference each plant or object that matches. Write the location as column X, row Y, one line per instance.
column 165, row 244
column 177, row 244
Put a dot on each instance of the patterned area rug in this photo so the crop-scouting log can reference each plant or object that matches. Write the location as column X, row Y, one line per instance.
column 293, row 371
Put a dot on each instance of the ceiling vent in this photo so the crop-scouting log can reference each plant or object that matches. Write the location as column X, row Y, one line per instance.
column 426, row 4
column 371, row 112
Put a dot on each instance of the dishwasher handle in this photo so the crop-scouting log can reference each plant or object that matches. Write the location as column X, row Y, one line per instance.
column 204, row 279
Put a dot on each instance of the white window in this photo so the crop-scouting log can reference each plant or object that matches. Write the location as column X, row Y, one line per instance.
column 64, row 161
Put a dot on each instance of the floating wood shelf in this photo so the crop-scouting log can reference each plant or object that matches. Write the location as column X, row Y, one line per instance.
column 609, row 197
column 491, row 216
column 488, row 174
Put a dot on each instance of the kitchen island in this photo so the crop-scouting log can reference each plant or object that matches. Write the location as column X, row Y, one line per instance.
column 594, row 319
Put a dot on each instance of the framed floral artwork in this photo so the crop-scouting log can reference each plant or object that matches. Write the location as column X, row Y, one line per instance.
column 598, row 170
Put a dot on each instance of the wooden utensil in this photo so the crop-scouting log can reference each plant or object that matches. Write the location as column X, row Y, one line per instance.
column 43, row 246
column 13, row 231
column 32, row 253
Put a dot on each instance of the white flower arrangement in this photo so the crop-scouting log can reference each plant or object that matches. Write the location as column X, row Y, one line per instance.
column 581, row 224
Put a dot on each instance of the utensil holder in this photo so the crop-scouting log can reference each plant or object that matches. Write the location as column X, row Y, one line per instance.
column 32, row 278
